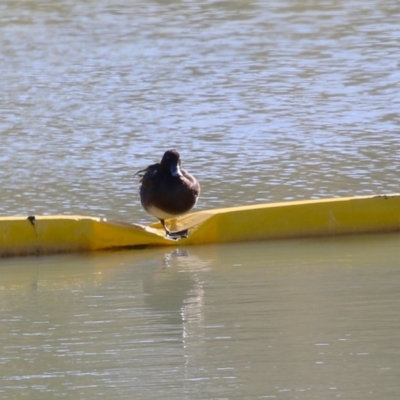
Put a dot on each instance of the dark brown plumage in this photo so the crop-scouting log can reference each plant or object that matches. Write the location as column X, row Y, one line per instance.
column 167, row 190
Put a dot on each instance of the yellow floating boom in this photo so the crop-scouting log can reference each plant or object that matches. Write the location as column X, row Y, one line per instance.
column 291, row 219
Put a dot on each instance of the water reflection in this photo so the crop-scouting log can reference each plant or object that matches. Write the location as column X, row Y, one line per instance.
column 241, row 319
column 175, row 288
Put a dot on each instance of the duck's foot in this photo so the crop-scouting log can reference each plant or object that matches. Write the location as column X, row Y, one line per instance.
column 177, row 235
column 174, row 235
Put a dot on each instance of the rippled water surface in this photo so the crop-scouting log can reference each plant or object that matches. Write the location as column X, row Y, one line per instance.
column 266, row 101
column 302, row 319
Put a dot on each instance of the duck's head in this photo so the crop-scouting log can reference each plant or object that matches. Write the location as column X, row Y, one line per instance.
column 171, row 162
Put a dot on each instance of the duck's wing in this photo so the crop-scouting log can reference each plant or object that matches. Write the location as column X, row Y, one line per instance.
column 147, row 172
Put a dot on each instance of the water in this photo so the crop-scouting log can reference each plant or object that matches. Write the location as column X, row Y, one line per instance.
column 253, row 321
column 266, row 101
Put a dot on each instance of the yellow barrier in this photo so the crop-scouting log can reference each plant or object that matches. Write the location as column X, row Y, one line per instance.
column 292, row 219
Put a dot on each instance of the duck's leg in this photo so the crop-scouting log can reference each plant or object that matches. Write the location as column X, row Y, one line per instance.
column 167, row 231
column 174, row 235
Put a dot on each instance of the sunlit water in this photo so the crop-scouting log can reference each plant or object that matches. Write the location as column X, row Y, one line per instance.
column 266, row 101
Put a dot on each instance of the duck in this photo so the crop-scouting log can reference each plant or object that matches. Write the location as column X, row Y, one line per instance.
column 168, row 191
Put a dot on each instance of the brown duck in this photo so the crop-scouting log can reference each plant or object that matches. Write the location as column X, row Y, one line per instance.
column 168, row 191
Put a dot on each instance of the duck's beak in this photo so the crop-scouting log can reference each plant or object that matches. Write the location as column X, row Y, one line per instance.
column 176, row 170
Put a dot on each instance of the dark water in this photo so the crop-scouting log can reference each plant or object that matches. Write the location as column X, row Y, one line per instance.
column 265, row 101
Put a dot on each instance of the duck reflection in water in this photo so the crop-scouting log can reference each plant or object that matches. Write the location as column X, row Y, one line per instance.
column 168, row 191
column 174, row 290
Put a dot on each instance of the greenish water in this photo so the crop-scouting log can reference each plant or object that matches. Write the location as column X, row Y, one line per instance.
column 288, row 319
